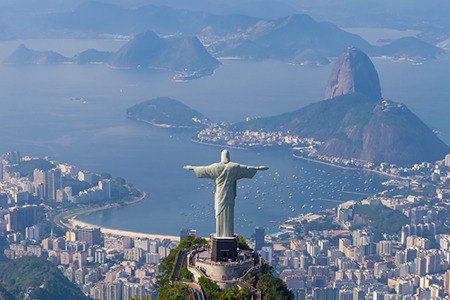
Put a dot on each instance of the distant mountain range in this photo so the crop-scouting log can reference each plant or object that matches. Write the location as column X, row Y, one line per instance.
column 357, row 122
column 184, row 55
column 297, row 38
column 287, row 38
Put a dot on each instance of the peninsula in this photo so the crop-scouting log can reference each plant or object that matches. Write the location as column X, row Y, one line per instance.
column 355, row 123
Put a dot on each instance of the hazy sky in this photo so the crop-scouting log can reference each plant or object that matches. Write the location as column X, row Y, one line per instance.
column 329, row 9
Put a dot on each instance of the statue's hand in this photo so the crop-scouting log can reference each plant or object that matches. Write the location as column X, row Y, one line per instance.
column 188, row 167
column 263, row 168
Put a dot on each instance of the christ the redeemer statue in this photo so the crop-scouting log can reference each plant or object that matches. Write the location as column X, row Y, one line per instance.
column 226, row 174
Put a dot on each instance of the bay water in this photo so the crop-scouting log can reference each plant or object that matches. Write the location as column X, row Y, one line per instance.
column 42, row 115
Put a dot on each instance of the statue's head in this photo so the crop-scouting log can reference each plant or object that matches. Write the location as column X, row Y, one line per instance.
column 225, row 158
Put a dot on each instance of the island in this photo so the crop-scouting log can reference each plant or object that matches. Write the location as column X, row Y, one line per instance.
column 186, row 56
column 167, row 112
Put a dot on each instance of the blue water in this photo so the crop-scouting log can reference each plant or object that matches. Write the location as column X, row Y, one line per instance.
column 38, row 118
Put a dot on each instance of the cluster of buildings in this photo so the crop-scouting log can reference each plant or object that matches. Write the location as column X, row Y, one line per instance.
column 348, row 262
column 30, row 192
column 24, row 193
column 102, row 266
column 221, row 135
column 345, row 262
column 306, row 148
column 46, row 184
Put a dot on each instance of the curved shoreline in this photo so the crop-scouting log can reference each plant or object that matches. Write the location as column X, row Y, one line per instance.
column 347, row 168
column 70, row 222
column 217, row 145
column 324, row 163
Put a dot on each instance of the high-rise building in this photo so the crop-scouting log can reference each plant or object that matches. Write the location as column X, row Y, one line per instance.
column 447, row 160
column 22, row 217
column 126, row 242
column 12, row 157
column 40, row 183
column 66, row 257
column 359, row 294
column 71, row 236
column 267, row 254
column 385, row 248
column 54, row 183
column 100, row 255
column 92, row 236
column 259, row 238
column 133, row 290
column 421, row 265
column 80, row 258
column 79, row 275
column 152, row 258
column 85, row 176
column 32, row 233
column 105, row 186
column 107, row 290
column 59, row 243
column 447, row 282
column 153, row 246
column 417, row 214
column 10, row 171
column 3, row 200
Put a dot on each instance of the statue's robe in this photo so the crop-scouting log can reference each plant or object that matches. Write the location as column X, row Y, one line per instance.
column 226, row 176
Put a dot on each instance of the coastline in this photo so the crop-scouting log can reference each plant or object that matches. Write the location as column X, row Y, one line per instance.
column 324, row 163
column 70, row 222
column 160, row 125
column 347, row 168
column 118, row 232
column 218, row 145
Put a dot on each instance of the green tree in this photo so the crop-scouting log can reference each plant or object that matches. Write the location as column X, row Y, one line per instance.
column 382, row 219
column 210, row 289
column 242, row 243
column 273, row 288
column 176, row 292
column 30, row 271
column 186, row 274
column 166, row 266
column 235, row 293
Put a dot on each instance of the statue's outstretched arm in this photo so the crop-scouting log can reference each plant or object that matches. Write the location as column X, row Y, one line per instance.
column 211, row 171
column 262, row 168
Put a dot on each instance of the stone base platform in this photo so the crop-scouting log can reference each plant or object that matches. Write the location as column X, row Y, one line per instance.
column 224, row 249
column 225, row 274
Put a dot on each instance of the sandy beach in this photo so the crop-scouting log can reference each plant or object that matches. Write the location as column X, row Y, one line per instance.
column 74, row 222
column 70, row 222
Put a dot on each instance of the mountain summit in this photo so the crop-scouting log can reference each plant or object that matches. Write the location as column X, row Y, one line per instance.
column 357, row 122
column 178, row 54
column 353, row 72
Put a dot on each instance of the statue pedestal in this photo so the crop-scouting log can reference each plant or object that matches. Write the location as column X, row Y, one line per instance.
column 224, row 248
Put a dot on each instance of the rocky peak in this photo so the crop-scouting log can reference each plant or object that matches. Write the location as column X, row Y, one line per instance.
column 353, row 72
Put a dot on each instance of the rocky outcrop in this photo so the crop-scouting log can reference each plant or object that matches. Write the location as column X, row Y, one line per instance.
column 357, row 122
column 179, row 54
column 353, row 72
column 25, row 56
